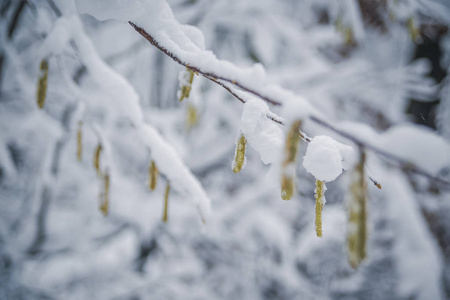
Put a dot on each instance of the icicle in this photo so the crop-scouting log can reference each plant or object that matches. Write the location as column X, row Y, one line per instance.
column 104, row 196
column 357, row 215
column 98, row 150
column 239, row 157
column 166, row 203
column 152, row 175
column 320, row 201
column 288, row 167
column 42, row 84
column 186, row 78
column 80, row 141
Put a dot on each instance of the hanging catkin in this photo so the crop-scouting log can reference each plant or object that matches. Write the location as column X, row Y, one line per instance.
column 192, row 117
column 414, row 31
column 42, row 84
column 152, row 175
column 357, row 215
column 239, row 157
column 288, row 167
column 320, row 201
column 98, row 150
column 104, row 196
column 186, row 82
column 80, row 141
column 166, row 203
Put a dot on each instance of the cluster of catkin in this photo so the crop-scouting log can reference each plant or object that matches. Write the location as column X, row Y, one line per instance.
column 356, row 202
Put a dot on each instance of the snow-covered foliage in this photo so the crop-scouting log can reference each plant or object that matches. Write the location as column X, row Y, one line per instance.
column 325, row 84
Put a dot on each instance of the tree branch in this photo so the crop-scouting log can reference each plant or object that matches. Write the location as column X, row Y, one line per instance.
column 218, row 79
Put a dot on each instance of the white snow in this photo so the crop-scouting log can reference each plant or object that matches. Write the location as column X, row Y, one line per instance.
column 120, row 92
column 323, row 158
column 419, row 264
column 126, row 102
column 264, row 135
column 296, row 108
column 170, row 164
column 156, row 18
column 418, row 145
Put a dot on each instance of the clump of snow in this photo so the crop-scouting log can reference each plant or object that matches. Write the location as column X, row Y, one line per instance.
column 349, row 155
column 418, row 145
column 264, row 135
column 323, row 159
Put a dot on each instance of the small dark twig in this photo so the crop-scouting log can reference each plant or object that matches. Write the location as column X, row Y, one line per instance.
column 208, row 75
column 361, row 144
column 402, row 162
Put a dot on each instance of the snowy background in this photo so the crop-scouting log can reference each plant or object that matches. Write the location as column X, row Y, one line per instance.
column 376, row 70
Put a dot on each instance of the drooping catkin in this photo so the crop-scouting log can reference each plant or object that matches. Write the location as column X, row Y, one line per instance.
column 239, row 157
column 152, row 175
column 98, row 150
column 80, row 141
column 104, row 196
column 414, row 31
column 357, row 215
column 288, row 166
column 320, row 201
column 186, row 80
column 42, row 84
column 192, row 117
column 345, row 30
column 166, row 203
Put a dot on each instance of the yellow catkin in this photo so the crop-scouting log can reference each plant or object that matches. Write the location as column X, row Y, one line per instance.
column 80, row 141
column 152, row 175
column 166, row 203
column 349, row 38
column 239, row 157
column 42, row 84
column 345, row 30
column 414, row 31
column 357, row 215
column 288, row 167
column 98, row 150
column 287, row 187
column 319, row 195
column 104, row 197
column 186, row 89
column 192, row 118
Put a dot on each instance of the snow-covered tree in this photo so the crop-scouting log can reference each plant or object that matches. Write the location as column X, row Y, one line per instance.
column 147, row 148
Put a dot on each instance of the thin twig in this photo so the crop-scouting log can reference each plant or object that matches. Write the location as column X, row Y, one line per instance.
column 217, row 79
column 402, row 162
column 208, row 75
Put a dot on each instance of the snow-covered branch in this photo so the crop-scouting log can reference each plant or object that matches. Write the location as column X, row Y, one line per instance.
column 271, row 98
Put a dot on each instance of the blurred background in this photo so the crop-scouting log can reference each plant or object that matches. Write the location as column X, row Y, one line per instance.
column 380, row 63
